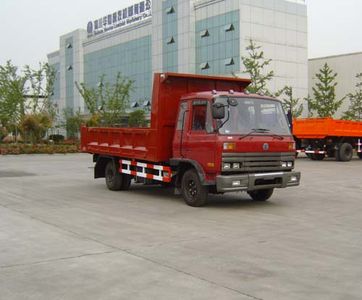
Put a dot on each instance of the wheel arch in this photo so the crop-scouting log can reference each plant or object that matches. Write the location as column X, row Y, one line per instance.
column 101, row 162
column 183, row 165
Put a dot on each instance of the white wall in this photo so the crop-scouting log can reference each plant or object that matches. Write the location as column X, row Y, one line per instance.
column 346, row 66
column 279, row 27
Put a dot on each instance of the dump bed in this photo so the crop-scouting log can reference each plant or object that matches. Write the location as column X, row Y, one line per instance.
column 154, row 144
column 318, row 128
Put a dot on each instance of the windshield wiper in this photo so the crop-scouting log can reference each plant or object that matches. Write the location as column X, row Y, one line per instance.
column 251, row 132
column 262, row 130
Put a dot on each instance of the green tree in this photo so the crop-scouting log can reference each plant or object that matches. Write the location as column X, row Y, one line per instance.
column 324, row 101
column 40, row 88
column 12, row 90
column 255, row 64
column 26, row 93
column 73, row 122
column 354, row 111
column 108, row 102
column 291, row 103
column 35, row 126
column 137, row 118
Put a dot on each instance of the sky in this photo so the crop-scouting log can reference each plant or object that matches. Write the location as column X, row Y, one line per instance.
column 31, row 29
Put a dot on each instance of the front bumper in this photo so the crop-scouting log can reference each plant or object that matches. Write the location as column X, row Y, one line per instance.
column 256, row 181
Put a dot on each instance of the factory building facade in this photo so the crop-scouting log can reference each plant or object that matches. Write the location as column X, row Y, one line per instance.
column 186, row 36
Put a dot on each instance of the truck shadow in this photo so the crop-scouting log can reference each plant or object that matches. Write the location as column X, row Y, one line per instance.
column 232, row 200
column 327, row 159
column 241, row 200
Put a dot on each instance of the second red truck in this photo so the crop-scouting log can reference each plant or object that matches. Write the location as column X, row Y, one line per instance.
column 206, row 136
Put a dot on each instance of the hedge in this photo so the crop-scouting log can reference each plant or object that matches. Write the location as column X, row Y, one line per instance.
column 38, row 148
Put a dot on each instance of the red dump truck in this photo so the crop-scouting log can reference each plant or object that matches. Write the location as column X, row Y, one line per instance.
column 321, row 137
column 206, row 136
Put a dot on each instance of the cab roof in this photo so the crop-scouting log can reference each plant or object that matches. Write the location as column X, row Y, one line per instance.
column 212, row 94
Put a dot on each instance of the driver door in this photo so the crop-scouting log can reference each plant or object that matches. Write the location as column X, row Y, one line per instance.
column 200, row 139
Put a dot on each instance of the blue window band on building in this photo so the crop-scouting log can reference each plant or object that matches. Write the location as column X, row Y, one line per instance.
column 69, row 74
column 218, row 44
column 56, row 89
column 169, row 36
column 132, row 59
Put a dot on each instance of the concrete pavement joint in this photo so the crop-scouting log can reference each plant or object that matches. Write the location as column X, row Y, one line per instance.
column 118, row 250
column 55, row 259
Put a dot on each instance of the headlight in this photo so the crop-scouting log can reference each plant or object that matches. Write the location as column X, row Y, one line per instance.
column 284, row 164
column 236, row 165
column 226, row 166
column 290, row 164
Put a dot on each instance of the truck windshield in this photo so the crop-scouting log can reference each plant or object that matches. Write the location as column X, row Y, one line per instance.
column 252, row 114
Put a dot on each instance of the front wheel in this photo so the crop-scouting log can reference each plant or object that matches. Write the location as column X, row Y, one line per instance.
column 261, row 195
column 194, row 193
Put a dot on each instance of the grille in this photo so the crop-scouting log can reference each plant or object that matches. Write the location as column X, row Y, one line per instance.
column 257, row 162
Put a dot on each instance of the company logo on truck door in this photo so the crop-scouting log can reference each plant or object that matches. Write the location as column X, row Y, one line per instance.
column 265, row 146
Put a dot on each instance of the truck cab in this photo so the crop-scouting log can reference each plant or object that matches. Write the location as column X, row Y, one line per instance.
column 235, row 142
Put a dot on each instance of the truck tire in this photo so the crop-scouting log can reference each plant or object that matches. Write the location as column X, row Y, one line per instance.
column 116, row 181
column 194, row 193
column 261, row 195
column 126, row 181
column 345, row 152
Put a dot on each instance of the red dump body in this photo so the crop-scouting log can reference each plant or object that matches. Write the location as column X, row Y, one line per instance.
column 319, row 128
column 154, row 144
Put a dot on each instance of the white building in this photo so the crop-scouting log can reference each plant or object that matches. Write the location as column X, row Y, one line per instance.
column 204, row 37
column 347, row 66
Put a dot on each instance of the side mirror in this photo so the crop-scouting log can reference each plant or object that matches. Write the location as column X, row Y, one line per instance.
column 218, row 111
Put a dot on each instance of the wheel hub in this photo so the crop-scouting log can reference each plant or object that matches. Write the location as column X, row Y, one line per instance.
column 192, row 190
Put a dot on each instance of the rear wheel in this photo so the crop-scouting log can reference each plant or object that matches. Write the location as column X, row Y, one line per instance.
column 116, row 181
column 345, row 152
column 194, row 193
column 261, row 195
column 359, row 155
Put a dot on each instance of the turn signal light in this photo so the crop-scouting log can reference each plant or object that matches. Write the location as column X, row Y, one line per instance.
column 292, row 146
column 229, row 146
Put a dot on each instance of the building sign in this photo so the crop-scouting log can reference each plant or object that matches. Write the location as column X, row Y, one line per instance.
column 121, row 18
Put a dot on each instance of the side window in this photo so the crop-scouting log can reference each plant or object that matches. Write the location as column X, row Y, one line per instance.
column 181, row 115
column 199, row 109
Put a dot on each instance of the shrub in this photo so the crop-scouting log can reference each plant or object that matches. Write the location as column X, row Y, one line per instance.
column 57, row 138
column 37, row 149
column 34, row 126
column 137, row 118
column 3, row 133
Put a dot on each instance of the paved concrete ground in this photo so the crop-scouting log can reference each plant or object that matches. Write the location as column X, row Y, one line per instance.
column 63, row 235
